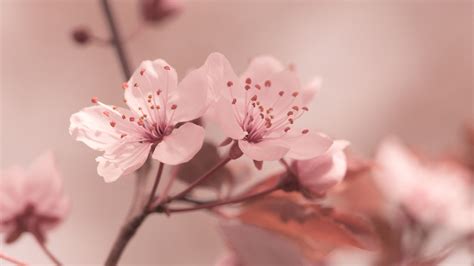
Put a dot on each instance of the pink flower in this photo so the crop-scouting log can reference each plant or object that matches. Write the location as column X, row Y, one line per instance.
column 322, row 172
column 434, row 192
column 32, row 199
column 159, row 109
column 260, row 109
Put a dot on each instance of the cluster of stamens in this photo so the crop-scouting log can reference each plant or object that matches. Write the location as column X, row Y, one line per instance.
column 153, row 128
column 259, row 120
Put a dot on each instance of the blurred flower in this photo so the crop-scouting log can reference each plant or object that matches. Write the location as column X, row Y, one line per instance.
column 319, row 174
column 32, row 199
column 250, row 245
column 260, row 108
column 157, row 104
column 81, row 35
column 433, row 192
column 157, row 10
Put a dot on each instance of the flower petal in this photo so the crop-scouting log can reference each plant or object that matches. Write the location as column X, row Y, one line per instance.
column 266, row 150
column 262, row 68
column 220, row 72
column 121, row 159
column 191, row 96
column 149, row 80
column 227, row 120
column 307, row 146
column 181, row 145
column 92, row 126
column 310, row 90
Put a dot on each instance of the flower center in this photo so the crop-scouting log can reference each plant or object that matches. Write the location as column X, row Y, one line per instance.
column 265, row 112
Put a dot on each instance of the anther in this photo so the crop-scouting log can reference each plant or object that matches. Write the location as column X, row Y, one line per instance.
column 167, row 68
column 294, row 94
column 290, row 113
column 135, row 85
column 296, row 108
column 305, row 108
column 254, row 98
column 112, row 123
column 257, row 87
column 305, row 131
column 229, row 83
column 106, row 113
column 234, row 101
column 247, row 87
column 124, row 117
column 287, row 129
column 123, row 136
column 131, row 118
column 248, row 81
column 281, row 93
column 142, row 72
column 174, row 106
column 94, row 99
column 268, row 83
column 291, row 120
column 158, row 92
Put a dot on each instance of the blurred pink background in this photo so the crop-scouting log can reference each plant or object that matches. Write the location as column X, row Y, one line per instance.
column 402, row 67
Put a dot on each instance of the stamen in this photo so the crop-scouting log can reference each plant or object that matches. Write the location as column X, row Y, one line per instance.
column 229, row 83
column 268, row 83
column 305, row 131
column 112, row 123
column 257, row 87
column 142, row 72
column 287, row 129
column 254, row 98
column 167, row 68
column 124, row 117
column 296, row 108
column 305, row 108
column 247, row 87
column 248, row 81
column 290, row 113
column 123, row 136
column 131, row 118
column 234, row 101
column 94, row 99
column 281, row 93
column 158, row 92
column 294, row 94
column 174, row 106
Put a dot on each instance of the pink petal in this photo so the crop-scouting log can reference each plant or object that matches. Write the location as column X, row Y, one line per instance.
column 92, row 127
column 227, row 120
column 191, row 96
column 320, row 173
column 121, row 159
column 220, row 72
column 282, row 86
column 262, row 68
column 266, row 150
column 181, row 145
column 310, row 90
column 151, row 78
column 306, row 146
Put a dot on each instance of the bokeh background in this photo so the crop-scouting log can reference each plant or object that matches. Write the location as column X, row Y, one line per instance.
column 389, row 67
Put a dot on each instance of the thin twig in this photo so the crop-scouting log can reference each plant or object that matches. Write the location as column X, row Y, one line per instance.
column 11, row 259
column 214, row 204
column 200, row 179
column 155, row 186
column 48, row 252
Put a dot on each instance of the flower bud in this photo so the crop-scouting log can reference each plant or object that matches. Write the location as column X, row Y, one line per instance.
column 81, row 35
column 157, row 10
column 319, row 174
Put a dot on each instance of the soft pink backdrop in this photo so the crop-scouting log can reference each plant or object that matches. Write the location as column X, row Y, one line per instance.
column 401, row 67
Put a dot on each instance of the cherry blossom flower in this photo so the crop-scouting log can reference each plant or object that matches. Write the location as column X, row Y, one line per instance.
column 156, row 121
column 318, row 174
column 260, row 109
column 433, row 192
column 32, row 199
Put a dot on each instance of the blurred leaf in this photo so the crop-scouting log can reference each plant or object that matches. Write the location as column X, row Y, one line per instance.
column 315, row 229
column 204, row 160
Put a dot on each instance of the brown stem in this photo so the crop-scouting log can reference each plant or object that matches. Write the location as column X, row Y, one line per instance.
column 47, row 251
column 221, row 202
column 10, row 259
column 200, row 180
column 126, row 233
column 155, row 186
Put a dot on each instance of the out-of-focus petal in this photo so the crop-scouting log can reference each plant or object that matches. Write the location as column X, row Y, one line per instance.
column 266, row 150
column 306, row 146
column 181, row 145
column 122, row 159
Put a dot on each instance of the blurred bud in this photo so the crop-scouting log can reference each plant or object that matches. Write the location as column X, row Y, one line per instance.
column 157, row 10
column 319, row 174
column 81, row 35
